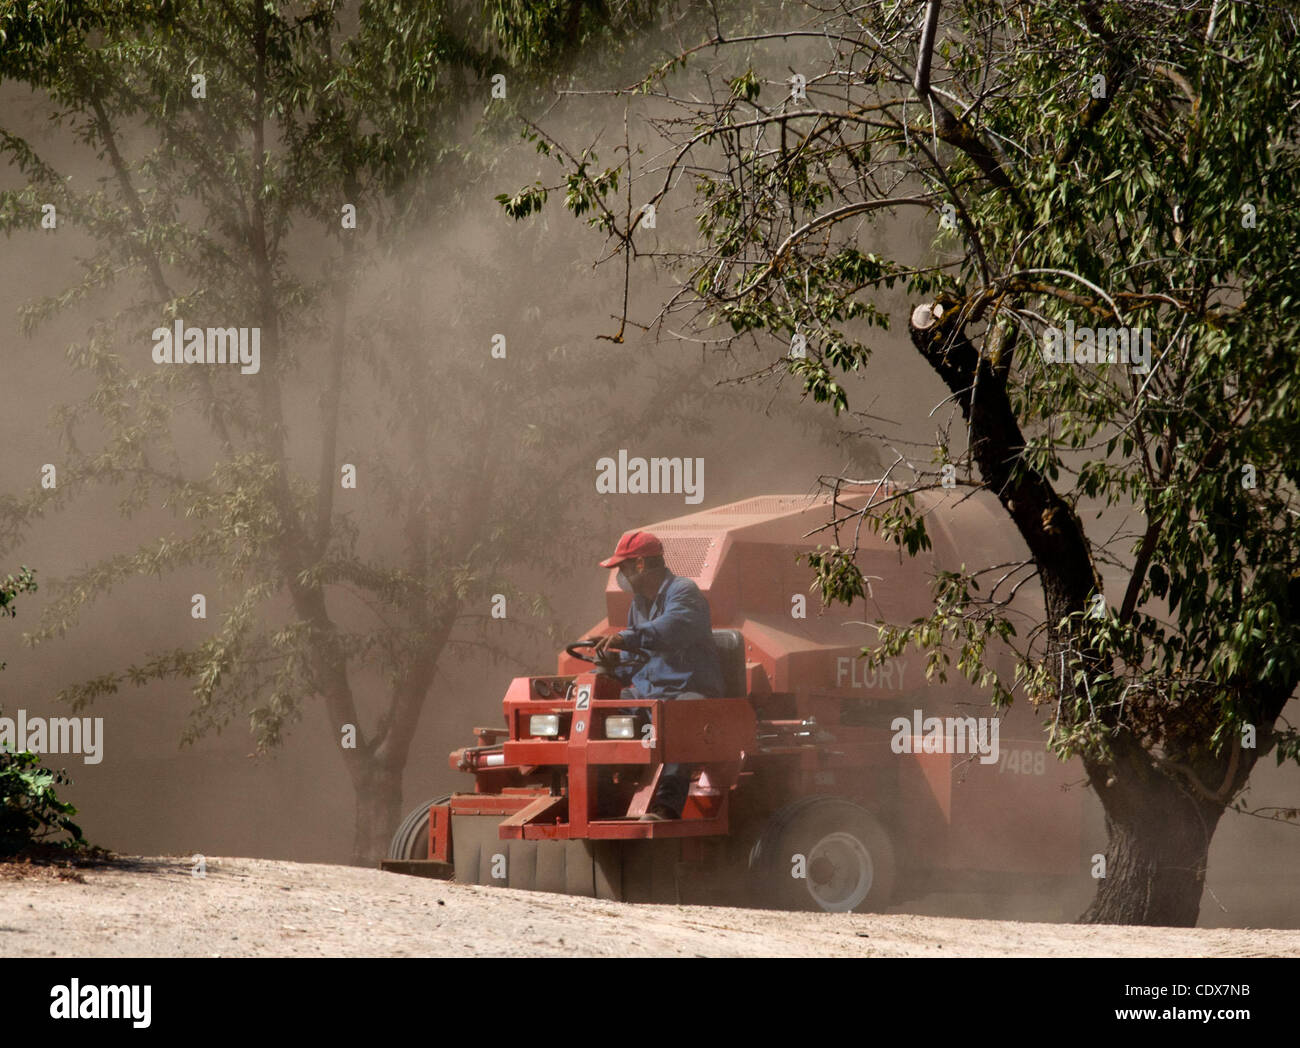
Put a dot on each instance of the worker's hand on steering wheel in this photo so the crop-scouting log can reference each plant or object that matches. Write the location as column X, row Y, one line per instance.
column 606, row 644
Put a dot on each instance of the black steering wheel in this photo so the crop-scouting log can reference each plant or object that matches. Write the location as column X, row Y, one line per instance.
column 609, row 660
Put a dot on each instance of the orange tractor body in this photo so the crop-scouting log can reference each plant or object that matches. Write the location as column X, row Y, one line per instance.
column 820, row 783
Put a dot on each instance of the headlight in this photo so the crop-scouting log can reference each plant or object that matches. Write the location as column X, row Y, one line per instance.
column 620, row 727
column 544, row 724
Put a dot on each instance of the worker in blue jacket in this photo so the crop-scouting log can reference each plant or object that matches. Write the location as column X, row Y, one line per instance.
column 669, row 627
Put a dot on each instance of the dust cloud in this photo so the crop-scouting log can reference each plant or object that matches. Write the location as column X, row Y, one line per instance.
column 150, row 796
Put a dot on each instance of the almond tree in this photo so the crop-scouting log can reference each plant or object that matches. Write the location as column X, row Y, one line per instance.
column 1120, row 166
column 263, row 165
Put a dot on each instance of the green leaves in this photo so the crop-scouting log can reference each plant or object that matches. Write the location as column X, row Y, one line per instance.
column 585, row 192
column 835, row 575
column 30, row 810
column 10, row 587
column 819, row 383
column 524, row 203
column 745, row 87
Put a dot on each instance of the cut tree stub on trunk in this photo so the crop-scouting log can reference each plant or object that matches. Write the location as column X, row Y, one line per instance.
column 926, row 315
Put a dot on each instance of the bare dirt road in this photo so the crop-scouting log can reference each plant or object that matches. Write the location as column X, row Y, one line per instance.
column 258, row 908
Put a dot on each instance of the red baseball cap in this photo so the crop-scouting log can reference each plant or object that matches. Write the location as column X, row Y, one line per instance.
column 632, row 545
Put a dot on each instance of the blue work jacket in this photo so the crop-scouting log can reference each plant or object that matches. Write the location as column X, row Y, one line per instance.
column 676, row 631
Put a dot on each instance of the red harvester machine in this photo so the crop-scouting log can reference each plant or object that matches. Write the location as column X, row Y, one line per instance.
column 801, row 799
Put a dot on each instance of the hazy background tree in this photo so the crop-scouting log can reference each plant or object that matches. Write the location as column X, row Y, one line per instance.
column 235, row 145
column 1119, row 165
column 304, row 169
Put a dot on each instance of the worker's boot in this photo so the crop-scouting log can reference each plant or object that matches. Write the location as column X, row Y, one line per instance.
column 670, row 795
column 659, row 813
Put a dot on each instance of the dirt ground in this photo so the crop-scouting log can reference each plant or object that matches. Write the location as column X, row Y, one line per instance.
column 258, row 908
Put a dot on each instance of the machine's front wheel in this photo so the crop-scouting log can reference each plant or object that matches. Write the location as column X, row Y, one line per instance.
column 823, row 853
column 411, row 841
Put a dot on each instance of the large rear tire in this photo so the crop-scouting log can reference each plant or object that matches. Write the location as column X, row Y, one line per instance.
column 823, row 853
column 411, row 841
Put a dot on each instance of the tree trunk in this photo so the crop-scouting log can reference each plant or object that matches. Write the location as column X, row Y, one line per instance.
column 378, row 789
column 1159, row 827
column 1159, row 839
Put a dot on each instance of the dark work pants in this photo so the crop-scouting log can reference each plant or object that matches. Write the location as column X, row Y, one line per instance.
column 675, row 780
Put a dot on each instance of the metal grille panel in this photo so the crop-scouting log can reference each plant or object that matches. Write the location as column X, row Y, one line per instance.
column 686, row 554
column 774, row 504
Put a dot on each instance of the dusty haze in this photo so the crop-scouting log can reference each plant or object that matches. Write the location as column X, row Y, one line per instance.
column 149, row 796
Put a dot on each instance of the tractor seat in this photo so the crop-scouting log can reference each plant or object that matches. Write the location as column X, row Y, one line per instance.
column 731, row 653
